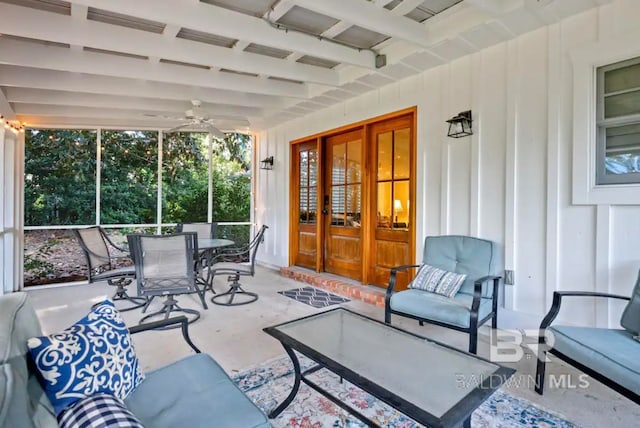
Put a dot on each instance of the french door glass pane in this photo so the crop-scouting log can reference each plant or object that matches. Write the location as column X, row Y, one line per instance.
column 338, row 171
column 354, row 161
column 313, row 168
column 623, row 150
column 401, row 153
column 59, row 177
column 304, row 168
column 384, row 205
column 385, row 155
column 401, row 204
column 129, row 177
column 353, row 205
column 313, row 203
column 304, row 204
column 338, row 205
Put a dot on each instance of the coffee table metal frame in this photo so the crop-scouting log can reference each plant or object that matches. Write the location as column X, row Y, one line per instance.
column 458, row 415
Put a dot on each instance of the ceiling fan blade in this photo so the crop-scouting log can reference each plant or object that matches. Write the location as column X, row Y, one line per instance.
column 216, row 132
column 177, row 128
column 162, row 116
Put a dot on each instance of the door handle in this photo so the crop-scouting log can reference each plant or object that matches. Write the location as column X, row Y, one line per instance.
column 325, row 210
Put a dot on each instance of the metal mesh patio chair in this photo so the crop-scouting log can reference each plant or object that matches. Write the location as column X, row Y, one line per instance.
column 103, row 263
column 164, row 266
column 231, row 261
column 204, row 230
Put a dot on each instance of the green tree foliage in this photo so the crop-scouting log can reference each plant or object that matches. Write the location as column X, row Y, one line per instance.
column 60, row 175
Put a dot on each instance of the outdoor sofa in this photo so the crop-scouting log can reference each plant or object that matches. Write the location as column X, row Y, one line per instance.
column 192, row 392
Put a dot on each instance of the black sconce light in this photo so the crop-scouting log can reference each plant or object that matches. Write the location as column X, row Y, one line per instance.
column 460, row 125
column 267, row 163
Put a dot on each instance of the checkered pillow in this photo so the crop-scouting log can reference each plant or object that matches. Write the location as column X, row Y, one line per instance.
column 434, row 280
column 99, row 411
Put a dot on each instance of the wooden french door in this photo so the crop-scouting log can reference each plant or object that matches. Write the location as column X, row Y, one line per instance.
column 352, row 199
column 305, row 200
column 392, row 193
column 342, row 204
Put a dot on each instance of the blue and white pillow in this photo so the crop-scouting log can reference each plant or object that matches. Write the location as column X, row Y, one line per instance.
column 99, row 411
column 95, row 355
column 435, row 280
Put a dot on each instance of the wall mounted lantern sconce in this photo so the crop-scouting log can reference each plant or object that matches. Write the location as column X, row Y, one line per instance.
column 267, row 163
column 460, row 125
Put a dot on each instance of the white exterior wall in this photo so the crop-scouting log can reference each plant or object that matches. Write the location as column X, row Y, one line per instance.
column 511, row 181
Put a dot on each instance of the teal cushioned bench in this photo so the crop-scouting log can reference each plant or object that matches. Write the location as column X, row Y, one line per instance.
column 192, row 392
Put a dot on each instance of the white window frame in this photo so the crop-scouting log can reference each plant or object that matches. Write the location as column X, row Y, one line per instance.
column 586, row 61
column 602, row 178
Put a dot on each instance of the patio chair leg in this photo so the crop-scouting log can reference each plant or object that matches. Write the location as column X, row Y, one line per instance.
column 168, row 306
column 473, row 341
column 234, row 290
column 146, row 306
column 540, row 369
column 421, row 323
column 121, row 294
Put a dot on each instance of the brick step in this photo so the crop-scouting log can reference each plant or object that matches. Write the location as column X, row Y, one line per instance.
column 335, row 284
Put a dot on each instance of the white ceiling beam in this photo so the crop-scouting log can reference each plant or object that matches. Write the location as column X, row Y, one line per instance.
column 12, row 76
column 43, row 110
column 64, row 98
column 368, row 15
column 78, row 13
column 406, row 6
column 5, row 108
column 279, row 10
column 235, row 25
column 27, row 54
column 24, row 22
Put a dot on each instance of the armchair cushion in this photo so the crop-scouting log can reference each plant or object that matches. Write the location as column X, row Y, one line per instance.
column 190, row 391
column 95, row 355
column 99, row 411
column 612, row 353
column 435, row 307
column 467, row 255
column 631, row 315
column 434, row 280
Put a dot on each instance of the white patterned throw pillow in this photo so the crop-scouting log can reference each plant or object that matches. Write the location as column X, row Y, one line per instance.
column 95, row 355
column 435, row 280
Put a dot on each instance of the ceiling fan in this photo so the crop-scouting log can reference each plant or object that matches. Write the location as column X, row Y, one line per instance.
column 197, row 118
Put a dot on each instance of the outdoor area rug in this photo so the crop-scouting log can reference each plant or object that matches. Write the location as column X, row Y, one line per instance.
column 314, row 297
column 269, row 383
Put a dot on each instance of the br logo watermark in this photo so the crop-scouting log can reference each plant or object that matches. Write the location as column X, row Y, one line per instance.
column 508, row 346
column 513, row 346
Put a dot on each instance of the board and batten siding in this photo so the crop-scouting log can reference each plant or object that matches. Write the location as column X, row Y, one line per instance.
column 511, row 181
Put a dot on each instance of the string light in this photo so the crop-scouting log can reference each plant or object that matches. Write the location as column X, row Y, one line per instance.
column 15, row 126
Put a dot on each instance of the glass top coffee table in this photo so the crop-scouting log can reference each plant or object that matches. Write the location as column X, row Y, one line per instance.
column 430, row 382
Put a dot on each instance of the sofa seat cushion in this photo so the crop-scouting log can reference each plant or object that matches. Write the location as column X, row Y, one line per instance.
column 612, row 353
column 193, row 392
column 435, row 307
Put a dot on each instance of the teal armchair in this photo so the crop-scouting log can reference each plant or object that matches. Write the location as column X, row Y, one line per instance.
column 474, row 304
column 606, row 354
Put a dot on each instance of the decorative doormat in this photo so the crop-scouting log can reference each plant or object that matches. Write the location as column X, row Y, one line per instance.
column 314, row 297
column 267, row 384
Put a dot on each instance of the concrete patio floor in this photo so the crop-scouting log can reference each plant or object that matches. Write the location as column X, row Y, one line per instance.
column 234, row 337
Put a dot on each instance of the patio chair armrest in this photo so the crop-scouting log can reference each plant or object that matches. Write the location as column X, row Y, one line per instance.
column 477, row 290
column 392, row 279
column 557, row 301
column 116, row 246
column 167, row 322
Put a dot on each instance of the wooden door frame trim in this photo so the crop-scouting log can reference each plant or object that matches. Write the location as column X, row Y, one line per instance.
column 319, row 139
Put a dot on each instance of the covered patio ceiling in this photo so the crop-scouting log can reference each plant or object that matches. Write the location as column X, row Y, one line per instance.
column 140, row 63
